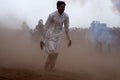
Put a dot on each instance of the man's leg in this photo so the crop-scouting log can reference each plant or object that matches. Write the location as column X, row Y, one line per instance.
column 53, row 60
column 48, row 62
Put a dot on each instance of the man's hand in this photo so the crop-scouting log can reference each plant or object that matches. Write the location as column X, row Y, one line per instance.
column 69, row 43
column 42, row 45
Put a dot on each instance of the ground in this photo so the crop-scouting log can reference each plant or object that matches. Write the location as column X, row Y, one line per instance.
column 24, row 74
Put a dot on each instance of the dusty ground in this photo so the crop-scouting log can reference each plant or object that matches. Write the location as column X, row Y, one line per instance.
column 18, row 74
column 23, row 74
column 22, row 59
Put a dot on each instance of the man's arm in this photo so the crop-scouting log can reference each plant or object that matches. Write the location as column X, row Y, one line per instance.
column 48, row 22
column 66, row 26
column 46, row 26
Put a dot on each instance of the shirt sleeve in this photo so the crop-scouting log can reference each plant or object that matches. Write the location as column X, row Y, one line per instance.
column 66, row 23
column 48, row 22
column 66, row 26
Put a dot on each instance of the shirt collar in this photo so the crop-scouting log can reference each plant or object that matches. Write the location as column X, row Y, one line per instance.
column 59, row 13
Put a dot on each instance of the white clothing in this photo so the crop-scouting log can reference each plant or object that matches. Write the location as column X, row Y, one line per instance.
column 54, row 30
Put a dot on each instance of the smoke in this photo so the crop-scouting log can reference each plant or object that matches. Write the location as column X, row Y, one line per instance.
column 81, row 12
column 11, row 21
column 80, row 2
column 18, row 48
column 84, row 56
column 100, row 32
column 100, row 35
column 116, row 4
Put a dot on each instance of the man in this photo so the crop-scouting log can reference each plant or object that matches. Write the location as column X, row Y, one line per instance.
column 53, row 34
column 40, row 25
column 39, row 28
column 38, row 31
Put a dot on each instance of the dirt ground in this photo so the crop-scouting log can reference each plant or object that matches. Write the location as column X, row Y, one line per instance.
column 23, row 74
column 22, row 59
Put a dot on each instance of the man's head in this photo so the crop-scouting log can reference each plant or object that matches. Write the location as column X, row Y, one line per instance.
column 61, row 6
column 40, row 21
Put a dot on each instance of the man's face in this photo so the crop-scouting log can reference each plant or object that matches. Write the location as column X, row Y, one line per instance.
column 61, row 8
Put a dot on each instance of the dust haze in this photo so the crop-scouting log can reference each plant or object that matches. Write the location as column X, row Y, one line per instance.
column 116, row 6
column 19, row 48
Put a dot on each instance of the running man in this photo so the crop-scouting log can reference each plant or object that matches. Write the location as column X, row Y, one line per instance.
column 53, row 34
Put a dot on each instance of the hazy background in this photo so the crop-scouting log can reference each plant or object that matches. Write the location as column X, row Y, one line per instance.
column 19, row 45
column 81, row 12
column 19, row 49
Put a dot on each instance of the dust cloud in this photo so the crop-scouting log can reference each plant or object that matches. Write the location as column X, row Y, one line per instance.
column 19, row 48
column 81, row 2
column 116, row 6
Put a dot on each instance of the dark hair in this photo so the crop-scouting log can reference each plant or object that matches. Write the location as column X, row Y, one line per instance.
column 60, row 2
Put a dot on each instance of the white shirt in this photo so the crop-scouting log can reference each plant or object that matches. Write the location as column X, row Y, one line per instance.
column 55, row 21
column 54, row 29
